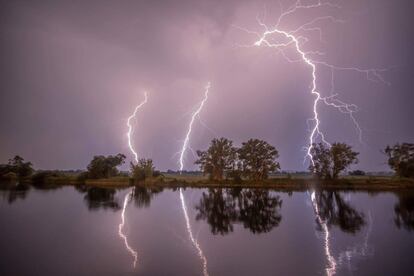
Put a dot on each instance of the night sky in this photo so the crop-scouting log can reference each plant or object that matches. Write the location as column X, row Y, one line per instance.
column 71, row 72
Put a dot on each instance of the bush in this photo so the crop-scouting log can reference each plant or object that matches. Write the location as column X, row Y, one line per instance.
column 10, row 176
column 41, row 178
column 357, row 173
column 401, row 159
column 105, row 166
column 144, row 170
column 17, row 166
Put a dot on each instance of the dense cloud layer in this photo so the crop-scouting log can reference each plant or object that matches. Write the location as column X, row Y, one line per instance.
column 73, row 71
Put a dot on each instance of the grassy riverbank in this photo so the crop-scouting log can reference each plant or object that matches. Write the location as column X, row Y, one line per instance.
column 370, row 183
column 280, row 182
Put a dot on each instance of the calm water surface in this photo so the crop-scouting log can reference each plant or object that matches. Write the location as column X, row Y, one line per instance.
column 137, row 231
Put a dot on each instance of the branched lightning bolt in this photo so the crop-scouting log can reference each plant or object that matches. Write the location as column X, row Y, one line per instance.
column 130, row 128
column 181, row 161
column 295, row 38
column 190, row 126
column 121, row 227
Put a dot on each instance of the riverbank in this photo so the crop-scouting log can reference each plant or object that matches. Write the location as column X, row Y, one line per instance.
column 363, row 183
column 299, row 183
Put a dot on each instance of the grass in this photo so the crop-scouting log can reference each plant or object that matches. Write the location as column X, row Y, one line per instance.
column 291, row 182
column 302, row 182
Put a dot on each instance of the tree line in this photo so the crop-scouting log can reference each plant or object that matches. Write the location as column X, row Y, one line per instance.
column 254, row 160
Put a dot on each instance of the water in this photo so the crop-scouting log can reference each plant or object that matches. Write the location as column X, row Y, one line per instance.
column 93, row 231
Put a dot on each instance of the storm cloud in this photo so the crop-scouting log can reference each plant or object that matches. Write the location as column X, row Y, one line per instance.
column 71, row 72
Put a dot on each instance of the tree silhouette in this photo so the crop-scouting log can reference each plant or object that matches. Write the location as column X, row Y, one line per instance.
column 257, row 210
column 218, row 209
column 218, row 159
column 328, row 162
column 99, row 198
column 16, row 166
column 337, row 212
column 257, row 159
column 404, row 211
column 401, row 159
column 105, row 167
column 142, row 196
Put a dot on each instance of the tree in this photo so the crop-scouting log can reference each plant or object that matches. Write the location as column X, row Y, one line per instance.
column 258, row 159
column 401, row 159
column 105, row 167
column 329, row 162
column 218, row 160
column 17, row 166
column 143, row 170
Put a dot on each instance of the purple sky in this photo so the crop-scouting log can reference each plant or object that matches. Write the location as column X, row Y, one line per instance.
column 73, row 71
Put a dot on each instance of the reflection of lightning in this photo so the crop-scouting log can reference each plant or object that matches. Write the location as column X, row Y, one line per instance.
column 331, row 269
column 190, row 234
column 296, row 39
column 121, row 227
column 190, row 126
column 358, row 250
column 348, row 254
column 130, row 129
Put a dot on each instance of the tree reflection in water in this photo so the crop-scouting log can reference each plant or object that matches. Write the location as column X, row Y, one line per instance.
column 256, row 209
column 14, row 191
column 404, row 211
column 97, row 198
column 142, row 196
column 335, row 211
column 332, row 210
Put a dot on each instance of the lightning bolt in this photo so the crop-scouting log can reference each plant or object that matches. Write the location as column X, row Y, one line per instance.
column 190, row 126
column 286, row 39
column 121, row 227
column 181, row 163
column 130, row 128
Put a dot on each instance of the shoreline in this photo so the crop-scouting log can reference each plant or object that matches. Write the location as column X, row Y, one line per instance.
column 371, row 183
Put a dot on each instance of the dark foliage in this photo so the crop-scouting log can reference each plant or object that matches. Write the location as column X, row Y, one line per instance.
column 16, row 166
column 257, row 210
column 328, row 162
column 401, row 159
column 218, row 160
column 257, row 159
column 105, row 166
